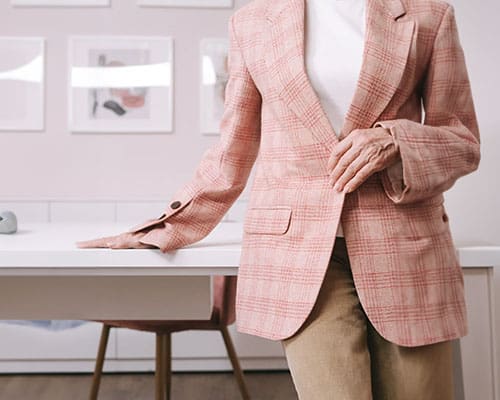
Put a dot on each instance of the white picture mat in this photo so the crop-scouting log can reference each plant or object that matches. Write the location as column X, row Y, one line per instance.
column 213, row 79
column 22, row 77
column 62, row 3
column 159, row 98
column 186, row 3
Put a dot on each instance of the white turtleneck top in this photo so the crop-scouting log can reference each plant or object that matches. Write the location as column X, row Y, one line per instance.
column 334, row 41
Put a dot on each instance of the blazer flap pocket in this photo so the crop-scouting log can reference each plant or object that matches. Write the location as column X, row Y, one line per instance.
column 268, row 220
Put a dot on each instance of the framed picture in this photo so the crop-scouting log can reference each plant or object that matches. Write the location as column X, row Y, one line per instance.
column 120, row 84
column 187, row 3
column 22, row 76
column 213, row 79
column 61, row 3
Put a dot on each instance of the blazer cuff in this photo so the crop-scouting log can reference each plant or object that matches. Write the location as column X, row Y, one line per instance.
column 164, row 237
column 393, row 179
column 178, row 203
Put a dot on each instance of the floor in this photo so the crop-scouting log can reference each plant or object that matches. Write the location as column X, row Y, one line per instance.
column 273, row 385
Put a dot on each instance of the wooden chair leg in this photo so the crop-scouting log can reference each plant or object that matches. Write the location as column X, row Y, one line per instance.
column 160, row 368
column 167, row 348
column 238, row 373
column 101, row 353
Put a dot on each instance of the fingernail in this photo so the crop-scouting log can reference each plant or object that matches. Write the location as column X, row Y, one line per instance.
column 337, row 187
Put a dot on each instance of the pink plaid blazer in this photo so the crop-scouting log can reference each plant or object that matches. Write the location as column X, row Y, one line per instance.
column 402, row 255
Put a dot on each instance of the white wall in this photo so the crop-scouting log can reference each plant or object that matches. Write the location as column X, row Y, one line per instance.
column 473, row 203
column 57, row 165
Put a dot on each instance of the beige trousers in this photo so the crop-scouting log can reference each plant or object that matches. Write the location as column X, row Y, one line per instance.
column 338, row 355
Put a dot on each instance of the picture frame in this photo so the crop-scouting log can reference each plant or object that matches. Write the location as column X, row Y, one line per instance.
column 214, row 75
column 60, row 3
column 22, row 83
column 120, row 83
column 186, row 3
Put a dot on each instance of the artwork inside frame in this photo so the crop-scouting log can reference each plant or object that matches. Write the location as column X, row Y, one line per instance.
column 22, row 83
column 213, row 79
column 120, row 84
column 187, row 3
column 60, row 3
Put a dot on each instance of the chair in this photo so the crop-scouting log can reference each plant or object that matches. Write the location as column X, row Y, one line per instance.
column 223, row 314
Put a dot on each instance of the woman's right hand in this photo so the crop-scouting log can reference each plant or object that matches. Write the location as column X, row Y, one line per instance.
column 125, row 240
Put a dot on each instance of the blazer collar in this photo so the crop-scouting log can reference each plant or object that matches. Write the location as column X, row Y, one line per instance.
column 395, row 8
column 385, row 54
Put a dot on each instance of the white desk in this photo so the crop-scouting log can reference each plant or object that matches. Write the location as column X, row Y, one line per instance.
column 44, row 276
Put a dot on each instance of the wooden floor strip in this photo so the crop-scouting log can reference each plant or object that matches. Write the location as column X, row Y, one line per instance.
column 270, row 385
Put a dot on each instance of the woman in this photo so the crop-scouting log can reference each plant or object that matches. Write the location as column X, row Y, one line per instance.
column 347, row 256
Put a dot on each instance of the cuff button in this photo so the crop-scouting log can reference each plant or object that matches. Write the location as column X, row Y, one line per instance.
column 175, row 205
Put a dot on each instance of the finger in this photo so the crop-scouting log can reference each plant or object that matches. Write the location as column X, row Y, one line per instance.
column 93, row 243
column 343, row 163
column 350, row 172
column 121, row 241
column 114, row 245
column 338, row 151
column 359, row 178
column 141, row 245
column 129, row 240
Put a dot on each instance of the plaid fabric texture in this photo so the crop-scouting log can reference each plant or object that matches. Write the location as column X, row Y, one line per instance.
column 398, row 238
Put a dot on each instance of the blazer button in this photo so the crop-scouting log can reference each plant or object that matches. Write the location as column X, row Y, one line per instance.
column 445, row 217
column 175, row 205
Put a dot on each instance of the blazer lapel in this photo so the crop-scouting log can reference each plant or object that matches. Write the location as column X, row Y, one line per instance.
column 385, row 55
column 386, row 48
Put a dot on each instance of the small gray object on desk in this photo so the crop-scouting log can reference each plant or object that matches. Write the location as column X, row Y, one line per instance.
column 8, row 222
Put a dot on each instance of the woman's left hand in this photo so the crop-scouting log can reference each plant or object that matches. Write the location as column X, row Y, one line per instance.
column 126, row 240
column 359, row 155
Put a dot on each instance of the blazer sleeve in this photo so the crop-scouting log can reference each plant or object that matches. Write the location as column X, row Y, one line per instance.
column 223, row 171
column 446, row 146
